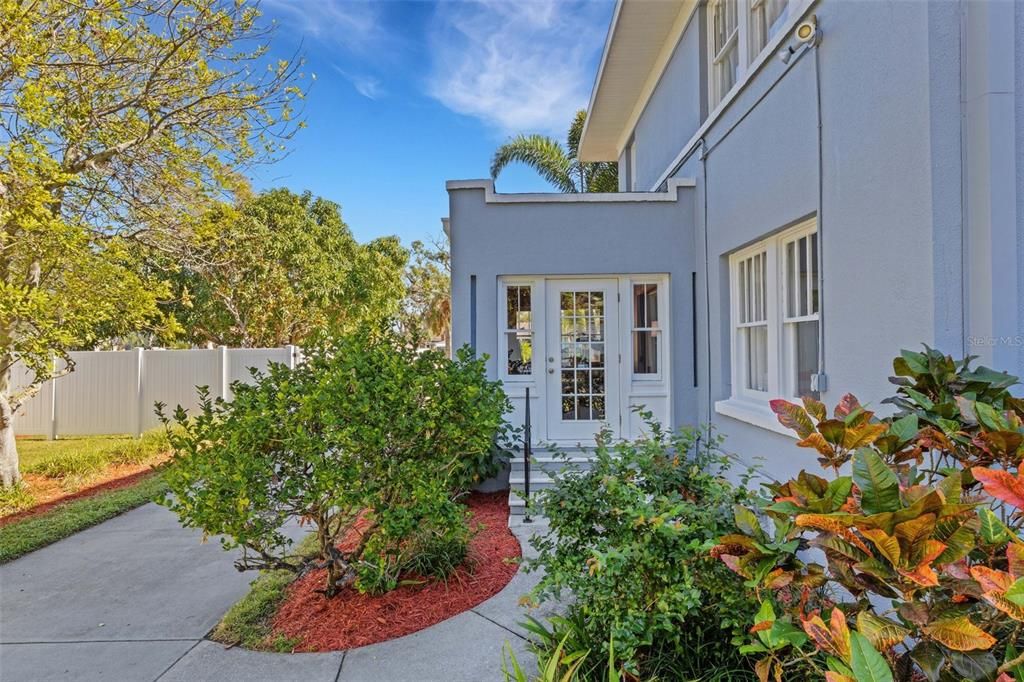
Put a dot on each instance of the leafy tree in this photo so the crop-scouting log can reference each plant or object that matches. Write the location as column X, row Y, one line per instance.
column 279, row 266
column 428, row 303
column 367, row 440
column 559, row 165
column 117, row 119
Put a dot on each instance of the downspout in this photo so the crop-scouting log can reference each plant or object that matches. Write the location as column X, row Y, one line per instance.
column 964, row 261
column 702, row 156
column 822, row 381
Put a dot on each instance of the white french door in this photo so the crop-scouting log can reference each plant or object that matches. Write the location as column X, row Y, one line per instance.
column 581, row 361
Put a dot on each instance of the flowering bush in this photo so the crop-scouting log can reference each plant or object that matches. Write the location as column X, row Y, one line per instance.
column 923, row 571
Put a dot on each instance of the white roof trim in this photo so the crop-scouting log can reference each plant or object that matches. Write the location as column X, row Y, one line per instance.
column 640, row 42
column 798, row 10
column 600, row 69
column 491, row 197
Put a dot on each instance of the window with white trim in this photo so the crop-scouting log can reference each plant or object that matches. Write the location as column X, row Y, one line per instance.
column 518, row 332
column 766, row 17
column 775, row 310
column 800, row 315
column 723, row 23
column 738, row 32
column 646, row 330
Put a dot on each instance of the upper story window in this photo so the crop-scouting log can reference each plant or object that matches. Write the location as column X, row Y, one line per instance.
column 766, row 16
column 646, row 330
column 739, row 31
column 775, row 313
column 518, row 330
column 725, row 47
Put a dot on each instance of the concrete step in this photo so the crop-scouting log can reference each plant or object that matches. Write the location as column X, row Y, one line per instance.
column 543, row 463
column 547, row 463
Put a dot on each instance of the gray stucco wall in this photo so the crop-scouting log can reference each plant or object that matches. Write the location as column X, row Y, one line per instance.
column 674, row 112
column 1019, row 122
column 890, row 217
column 492, row 240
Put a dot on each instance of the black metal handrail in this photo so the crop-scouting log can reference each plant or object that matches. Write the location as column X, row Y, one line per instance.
column 526, row 462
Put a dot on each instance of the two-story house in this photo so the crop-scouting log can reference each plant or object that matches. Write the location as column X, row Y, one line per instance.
column 806, row 188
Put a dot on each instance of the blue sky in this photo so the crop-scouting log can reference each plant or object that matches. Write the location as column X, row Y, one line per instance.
column 410, row 94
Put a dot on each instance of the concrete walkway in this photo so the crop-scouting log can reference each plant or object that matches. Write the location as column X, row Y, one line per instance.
column 133, row 599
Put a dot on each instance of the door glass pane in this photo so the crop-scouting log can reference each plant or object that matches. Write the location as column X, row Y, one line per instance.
column 568, row 354
column 581, row 323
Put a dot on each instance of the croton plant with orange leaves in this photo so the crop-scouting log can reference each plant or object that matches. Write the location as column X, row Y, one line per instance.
column 905, row 562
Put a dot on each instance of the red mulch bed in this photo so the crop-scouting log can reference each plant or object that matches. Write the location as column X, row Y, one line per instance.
column 352, row 619
column 106, row 486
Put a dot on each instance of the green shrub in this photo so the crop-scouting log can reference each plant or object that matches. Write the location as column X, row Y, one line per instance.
column 248, row 621
column 923, row 575
column 366, row 440
column 629, row 539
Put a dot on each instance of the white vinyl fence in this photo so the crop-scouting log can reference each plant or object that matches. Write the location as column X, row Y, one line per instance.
column 113, row 392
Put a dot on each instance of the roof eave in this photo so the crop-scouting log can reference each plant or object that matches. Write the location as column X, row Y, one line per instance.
column 634, row 79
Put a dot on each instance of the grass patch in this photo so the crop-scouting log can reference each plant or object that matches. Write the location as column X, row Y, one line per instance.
column 21, row 537
column 247, row 623
column 77, row 460
column 15, row 498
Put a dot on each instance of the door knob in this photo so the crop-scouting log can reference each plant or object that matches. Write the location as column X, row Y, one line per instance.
column 551, row 371
column 551, row 359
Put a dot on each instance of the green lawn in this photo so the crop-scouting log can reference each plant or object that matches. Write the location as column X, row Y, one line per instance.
column 33, row 451
column 76, row 463
column 22, row 537
column 87, row 456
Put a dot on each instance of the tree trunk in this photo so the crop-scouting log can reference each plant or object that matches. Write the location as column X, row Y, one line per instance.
column 9, row 473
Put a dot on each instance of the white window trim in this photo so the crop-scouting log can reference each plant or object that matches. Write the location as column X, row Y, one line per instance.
column 795, row 13
column 747, row 61
column 738, row 40
column 752, row 406
column 535, row 327
column 662, row 293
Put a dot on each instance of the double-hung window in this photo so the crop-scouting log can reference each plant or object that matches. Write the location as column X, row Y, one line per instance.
column 765, row 18
column 800, row 312
column 518, row 342
column 724, row 25
column 775, row 308
column 646, row 331
column 738, row 33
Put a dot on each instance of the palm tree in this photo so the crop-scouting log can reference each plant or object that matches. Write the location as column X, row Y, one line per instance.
column 559, row 165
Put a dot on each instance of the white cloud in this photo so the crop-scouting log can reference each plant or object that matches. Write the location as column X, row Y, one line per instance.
column 367, row 86
column 354, row 25
column 518, row 66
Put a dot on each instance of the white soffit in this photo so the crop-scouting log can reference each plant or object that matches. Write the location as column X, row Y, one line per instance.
column 640, row 42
